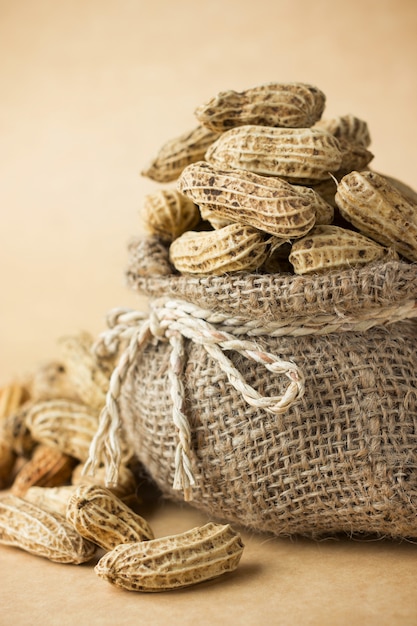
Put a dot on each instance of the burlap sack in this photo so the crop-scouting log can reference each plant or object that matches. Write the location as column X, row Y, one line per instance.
column 338, row 454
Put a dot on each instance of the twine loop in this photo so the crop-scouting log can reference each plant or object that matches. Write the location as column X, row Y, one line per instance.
column 129, row 334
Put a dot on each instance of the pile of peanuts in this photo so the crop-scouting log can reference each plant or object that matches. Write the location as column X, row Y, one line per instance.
column 265, row 184
column 51, row 509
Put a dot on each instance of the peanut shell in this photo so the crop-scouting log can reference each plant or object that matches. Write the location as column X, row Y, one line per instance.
column 179, row 152
column 173, row 562
column 42, row 533
column 300, row 155
column 329, row 247
column 232, row 248
column 267, row 203
column 272, row 104
column 380, row 211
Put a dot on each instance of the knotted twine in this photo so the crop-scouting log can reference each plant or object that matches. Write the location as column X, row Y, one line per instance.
column 174, row 321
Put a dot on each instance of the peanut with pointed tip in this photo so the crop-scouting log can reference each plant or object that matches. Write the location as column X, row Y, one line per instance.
column 300, row 155
column 173, row 562
column 266, row 203
column 380, row 211
column 272, row 104
column 100, row 516
column 43, row 533
column 232, row 248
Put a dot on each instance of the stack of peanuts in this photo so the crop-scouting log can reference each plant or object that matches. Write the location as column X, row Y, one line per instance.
column 50, row 509
column 264, row 184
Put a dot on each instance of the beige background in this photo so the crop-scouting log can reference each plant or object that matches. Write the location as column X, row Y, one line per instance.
column 89, row 91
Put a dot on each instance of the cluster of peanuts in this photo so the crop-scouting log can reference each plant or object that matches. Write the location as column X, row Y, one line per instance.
column 51, row 508
column 265, row 184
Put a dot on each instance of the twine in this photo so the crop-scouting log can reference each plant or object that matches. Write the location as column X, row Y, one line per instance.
column 175, row 321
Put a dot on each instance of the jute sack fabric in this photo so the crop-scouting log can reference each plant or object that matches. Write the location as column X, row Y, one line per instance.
column 324, row 443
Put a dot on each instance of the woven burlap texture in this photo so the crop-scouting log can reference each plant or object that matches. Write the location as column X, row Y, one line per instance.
column 342, row 458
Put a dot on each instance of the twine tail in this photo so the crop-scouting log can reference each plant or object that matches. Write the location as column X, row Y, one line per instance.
column 105, row 447
column 183, row 475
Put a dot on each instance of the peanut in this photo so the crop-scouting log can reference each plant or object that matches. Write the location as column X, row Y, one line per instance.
column 43, row 533
column 7, row 463
column 63, row 424
column 273, row 104
column 88, row 375
column 177, row 153
column 51, row 380
column 326, row 190
column 266, row 203
column 15, row 431
column 406, row 190
column 12, row 396
column 331, row 247
column 100, row 516
column 48, row 467
column 300, row 155
column 232, row 248
column 380, row 211
column 53, row 499
column 168, row 213
column 173, row 562
column 347, row 127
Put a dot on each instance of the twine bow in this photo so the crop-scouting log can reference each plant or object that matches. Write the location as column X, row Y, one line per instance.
column 175, row 321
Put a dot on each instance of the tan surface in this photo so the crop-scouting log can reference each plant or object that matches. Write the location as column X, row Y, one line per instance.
column 89, row 92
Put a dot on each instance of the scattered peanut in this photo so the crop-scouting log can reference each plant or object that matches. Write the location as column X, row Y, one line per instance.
column 48, row 467
column 100, row 516
column 63, row 424
column 51, row 380
column 173, row 562
column 53, row 499
column 40, row 532
column 88, row 375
